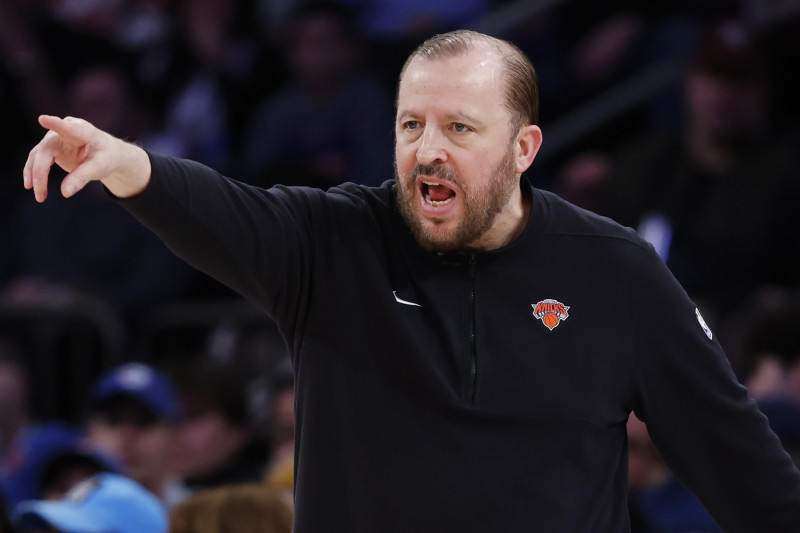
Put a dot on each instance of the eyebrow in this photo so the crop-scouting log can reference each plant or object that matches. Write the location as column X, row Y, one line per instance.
column 453, row 117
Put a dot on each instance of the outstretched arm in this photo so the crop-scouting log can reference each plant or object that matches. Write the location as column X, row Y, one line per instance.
column 87, row 154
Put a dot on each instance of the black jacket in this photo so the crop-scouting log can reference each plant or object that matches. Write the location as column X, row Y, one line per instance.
column 430, row 398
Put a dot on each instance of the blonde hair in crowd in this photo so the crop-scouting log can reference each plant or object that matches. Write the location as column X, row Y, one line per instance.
column 243, row 508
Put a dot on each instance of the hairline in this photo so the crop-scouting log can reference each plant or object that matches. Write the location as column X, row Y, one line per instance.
column 462, row 42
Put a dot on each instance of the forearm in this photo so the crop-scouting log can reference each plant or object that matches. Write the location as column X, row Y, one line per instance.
column 246, row 238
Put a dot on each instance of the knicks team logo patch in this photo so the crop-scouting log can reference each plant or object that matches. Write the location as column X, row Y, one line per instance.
column 550, row 312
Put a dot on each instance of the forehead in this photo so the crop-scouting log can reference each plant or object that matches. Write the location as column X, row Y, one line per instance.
column 473, row 79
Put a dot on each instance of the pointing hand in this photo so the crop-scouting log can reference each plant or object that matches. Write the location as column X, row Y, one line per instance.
column 87, row 154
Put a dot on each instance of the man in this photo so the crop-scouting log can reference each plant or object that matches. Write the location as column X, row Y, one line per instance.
column 717, row 197
column 467, row 349
column 215, row 442
column 14, row 397
column 47, row 460
column 133, row 416
column 299, row 135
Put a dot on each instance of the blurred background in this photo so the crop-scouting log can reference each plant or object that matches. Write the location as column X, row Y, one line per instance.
column 680, row 119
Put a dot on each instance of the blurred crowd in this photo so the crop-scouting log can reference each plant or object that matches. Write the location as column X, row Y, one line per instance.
column 679, row 119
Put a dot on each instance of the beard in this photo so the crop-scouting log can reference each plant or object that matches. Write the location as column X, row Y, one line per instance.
column 481, row 205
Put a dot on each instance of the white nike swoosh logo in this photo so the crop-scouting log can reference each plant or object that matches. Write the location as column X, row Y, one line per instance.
column 404, row 302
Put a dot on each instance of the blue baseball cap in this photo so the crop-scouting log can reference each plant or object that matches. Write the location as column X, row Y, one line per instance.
column 147, row 386
column 105, row 503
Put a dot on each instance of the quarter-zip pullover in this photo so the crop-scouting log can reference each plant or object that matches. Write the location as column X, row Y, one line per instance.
column 476, row 391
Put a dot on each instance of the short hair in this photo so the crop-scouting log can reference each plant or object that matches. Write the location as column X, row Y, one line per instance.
column 208, row 385
column 522, row 90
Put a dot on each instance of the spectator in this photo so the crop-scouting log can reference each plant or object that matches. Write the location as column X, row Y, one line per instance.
column 70, row 466
column 281, row 421
column 212, row 60
column 771, row 363
column 132, row 278
column 47, row 460
column 32, row 449
column 133, row 416
column 771, row 348
column 215, row 441
column 416, row 19
column 718, row 199
column 248, row 508
column 14, row 395
column 427, row 402
column 28, row 86
column 583, row 180
column 329, row 124
column 105, row 503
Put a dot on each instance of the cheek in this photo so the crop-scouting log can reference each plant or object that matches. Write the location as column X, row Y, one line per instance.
column 405, row 158
column 201, row 436
column 104, row 436
column 155, row 443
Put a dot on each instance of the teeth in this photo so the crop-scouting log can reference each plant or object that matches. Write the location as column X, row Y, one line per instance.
column 435, row 203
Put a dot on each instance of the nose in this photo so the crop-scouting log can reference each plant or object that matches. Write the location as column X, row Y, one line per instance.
column 431, row 147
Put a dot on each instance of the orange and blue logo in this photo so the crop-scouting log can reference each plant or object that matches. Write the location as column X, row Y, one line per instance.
column 550, row 312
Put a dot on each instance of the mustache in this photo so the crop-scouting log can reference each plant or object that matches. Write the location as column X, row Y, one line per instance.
column 437, row 170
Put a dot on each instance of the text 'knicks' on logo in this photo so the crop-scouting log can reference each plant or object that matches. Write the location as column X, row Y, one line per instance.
column 550, row 312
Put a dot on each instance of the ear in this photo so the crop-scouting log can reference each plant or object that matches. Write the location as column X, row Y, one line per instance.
column 528, row 142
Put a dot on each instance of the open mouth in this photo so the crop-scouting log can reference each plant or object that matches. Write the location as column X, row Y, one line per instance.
column 436, row 194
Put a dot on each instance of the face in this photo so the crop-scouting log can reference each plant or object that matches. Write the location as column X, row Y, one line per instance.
column 457, row 159
column 769, row 379
column 320, row 50
column 103, row 98
column 723, row 109
column 128, row 432
column 205, row 442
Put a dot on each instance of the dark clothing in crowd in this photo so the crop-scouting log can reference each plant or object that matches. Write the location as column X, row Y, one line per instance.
column 720, row 234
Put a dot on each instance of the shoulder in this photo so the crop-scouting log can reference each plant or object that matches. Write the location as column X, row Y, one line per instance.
column 570, row 222
column 588, row 244
column 358, row 196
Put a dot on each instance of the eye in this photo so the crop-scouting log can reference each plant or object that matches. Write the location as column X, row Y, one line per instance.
column 460, row 128
column 410, row 125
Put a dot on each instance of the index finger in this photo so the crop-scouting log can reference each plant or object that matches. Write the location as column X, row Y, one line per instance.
column 72, row 130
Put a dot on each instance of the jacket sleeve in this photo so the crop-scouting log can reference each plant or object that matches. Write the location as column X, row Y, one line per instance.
column 702, row 420
column 256, row 241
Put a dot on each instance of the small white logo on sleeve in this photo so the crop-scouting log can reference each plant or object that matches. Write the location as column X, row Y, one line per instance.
column 703, row 324
column 404, row 302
